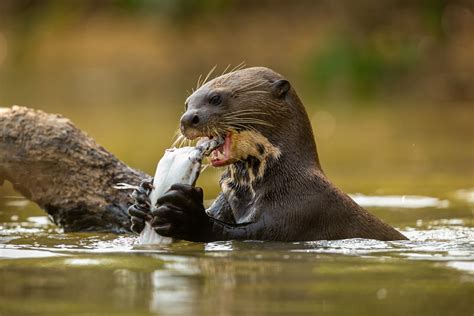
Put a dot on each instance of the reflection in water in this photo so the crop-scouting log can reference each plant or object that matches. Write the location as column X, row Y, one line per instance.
column 466, row 195
column 219, row 246
column 399, row 201
column 3, row 48
column 25, row 253
column 39, row 220
column 462, row 265
column 171, row 293
column 93, row 273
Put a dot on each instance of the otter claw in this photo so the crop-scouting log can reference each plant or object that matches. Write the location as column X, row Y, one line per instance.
column 147, row 185
column 141, row 195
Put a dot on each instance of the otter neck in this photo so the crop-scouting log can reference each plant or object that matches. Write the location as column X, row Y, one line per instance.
column 293, row 134
column 244, row 191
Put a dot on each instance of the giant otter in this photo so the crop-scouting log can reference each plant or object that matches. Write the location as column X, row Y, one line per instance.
column 273, row 187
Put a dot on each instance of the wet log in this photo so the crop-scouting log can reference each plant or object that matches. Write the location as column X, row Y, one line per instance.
column 59, row 167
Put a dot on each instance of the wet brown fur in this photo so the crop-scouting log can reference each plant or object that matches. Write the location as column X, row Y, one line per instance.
column 275, row 188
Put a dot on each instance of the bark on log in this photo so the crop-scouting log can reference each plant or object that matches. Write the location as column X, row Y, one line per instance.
column 64, row 171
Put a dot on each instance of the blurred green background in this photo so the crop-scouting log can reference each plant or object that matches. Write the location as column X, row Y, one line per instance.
column 389, row 85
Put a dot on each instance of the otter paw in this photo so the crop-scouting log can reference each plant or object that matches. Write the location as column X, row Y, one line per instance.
column 138, row 218
column 181, row 214
column 140, row 208
column 141, row 195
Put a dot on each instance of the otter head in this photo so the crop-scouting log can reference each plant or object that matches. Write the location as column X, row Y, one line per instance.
column 255, row 110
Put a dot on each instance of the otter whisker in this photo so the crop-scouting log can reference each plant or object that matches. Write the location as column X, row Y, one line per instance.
column 179, row 143
column 177, row 133
column 244, row 88
column 246, row 114
column 204, row 166
column 220, row 130
column 252, row 83
column 247, row 122
column 242, row 127
column 212, row 131
column 178, row 136
column 185, row 142
column 257, row 91
column 276, row 105
column 215, row 131
column 250, row 122
column 238, row 67
column 208, row 75
column 257, row 123
column 277, row 108
column 230, row 73
column 226, row 68
column 249, row 86
column 198, row 84
column 179, row 139
column 248, row 110
column 243, row 118
column 209, row 130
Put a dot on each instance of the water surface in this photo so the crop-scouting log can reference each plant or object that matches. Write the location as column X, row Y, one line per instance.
column 413, row 165
column 45, row 272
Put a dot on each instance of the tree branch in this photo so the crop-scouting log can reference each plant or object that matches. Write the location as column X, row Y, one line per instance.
column 56, row 165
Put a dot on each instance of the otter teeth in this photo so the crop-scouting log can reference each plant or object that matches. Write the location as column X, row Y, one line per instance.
column 217, row 154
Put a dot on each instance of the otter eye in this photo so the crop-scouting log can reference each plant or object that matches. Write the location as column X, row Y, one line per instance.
column 215, row 100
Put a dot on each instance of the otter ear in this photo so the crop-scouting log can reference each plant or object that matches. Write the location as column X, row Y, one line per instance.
column 280, row 88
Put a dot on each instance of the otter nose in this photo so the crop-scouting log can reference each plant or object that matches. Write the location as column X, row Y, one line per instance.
column 189, row 119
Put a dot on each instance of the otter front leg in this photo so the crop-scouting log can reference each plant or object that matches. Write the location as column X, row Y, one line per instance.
column 181, row 215
column 140, row 209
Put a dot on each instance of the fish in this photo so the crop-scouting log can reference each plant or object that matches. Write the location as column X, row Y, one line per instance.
column 178, row 165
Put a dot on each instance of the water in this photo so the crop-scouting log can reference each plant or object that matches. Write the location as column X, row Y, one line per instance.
column 46, row 272
column 123, row 80
column 413, row 164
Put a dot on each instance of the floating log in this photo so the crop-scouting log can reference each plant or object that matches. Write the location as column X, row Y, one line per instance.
column 63, row 170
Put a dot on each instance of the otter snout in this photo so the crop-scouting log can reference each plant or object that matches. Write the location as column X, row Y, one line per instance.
column 190, row 119
column 191, row 123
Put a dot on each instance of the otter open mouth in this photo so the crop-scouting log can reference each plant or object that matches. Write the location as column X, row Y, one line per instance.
column 221, row 155
column 217, row 148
